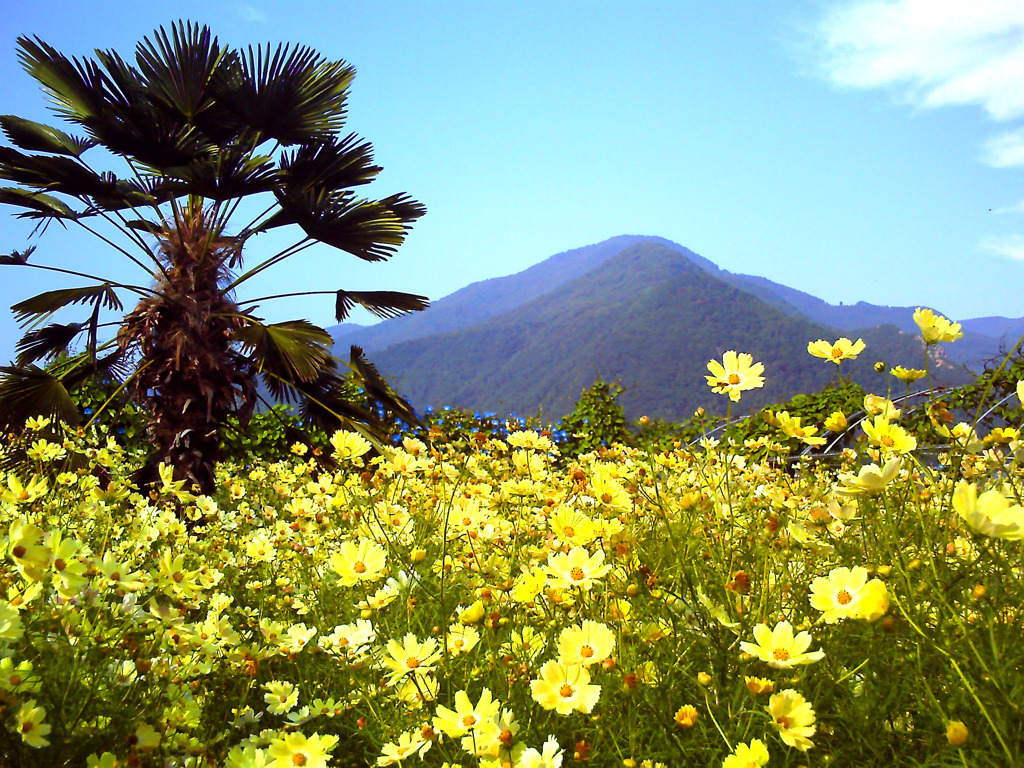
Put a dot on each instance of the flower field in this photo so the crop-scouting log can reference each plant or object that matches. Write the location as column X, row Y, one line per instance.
column 495, row 603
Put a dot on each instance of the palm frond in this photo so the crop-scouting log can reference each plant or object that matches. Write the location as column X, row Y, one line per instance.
column 372, row 230
column 291, row 95
column 47, row 303
column 332, row 164
column 75, row 88
column 17, row 257
column 38, row 205
column 292, row 351
column 223, row 175
column 36, row 137
column 31, row 391
column 177, row 68
column 49, row 341
column 366, row 375
column 383, row 304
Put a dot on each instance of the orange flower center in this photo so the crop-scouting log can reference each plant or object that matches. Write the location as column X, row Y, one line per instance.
column 843, row 597
column 887, row 441
column 780, row 654
column 783, row 721
column 837, row 352
column 586, row 651
column 734, row 378
column 468, row 721
column 412, row 663
column 359, row 567
column 569, row 530
column 576, row 573
column 565, row 691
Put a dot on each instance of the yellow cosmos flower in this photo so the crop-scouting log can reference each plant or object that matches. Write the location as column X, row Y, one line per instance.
column 792, row 427
column 836, row 422
column 877, row 405
column 870, row 479
column 30, row 725
column 752, row 755
column 686, row 716
column 990, row 513
column 842, row 349
column 889, row 437
column 411, row 657
column 565, row 688
column 466, row 718
column 846, row 593
column 793, row 718
column 936, row 328
column 578, row 568
column 295, row 749
column 359, row 561
column 735, row 374
column 409, row 745
column 588, row 643
column 348, row 445
column 908, row 375
column 571, row 526
column 779, row 648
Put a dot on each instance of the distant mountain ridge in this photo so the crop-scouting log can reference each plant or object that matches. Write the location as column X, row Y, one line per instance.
column 642, row 310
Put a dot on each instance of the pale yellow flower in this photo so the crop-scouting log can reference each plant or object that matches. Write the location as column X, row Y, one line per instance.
column 990, row 513
column 870, row 479
column 792, row 427
column 889, row 437
column 466, row 718
column 30, row 725
column 587, row 643
column 936, row 328
column 359, row 561
column 793, row 718
column 578, row 568
column 349, row 445
column 779, row 648
column 846, row 593
column 842, row 349
column 295, row 749
column 565, row 688
column 908, row 375
column 736, row 374
column 752, row 755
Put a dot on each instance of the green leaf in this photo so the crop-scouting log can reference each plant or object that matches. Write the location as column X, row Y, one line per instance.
column 177, row 69
column 32, row 391
column 36, row 137
column 39, row 206
column 50, row 341
column 383, row 304
column 291, row 95
column 50, row 301
column 295, row 350
column 371, row 230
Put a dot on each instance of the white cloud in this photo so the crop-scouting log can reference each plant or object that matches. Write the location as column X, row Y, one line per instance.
column 1017, row 207
column 1005, row 150
column 931, row 53
column 1011, row 246
column 935, row 53
column 253, row 14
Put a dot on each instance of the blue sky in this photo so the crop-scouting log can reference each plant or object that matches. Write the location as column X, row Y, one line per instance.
column 857, row 151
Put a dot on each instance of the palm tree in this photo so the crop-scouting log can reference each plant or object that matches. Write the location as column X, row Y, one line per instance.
column 196, row 129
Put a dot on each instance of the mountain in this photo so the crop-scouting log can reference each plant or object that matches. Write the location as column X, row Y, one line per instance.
column 489, row 298
column 649, row 317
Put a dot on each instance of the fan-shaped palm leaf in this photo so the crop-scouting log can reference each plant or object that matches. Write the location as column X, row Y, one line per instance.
column 383, row 304
column 294, row 351
column 371, row 230
column 49, row 341
column 226, row 174
column 49, row 302
column 39, row 206
column 329, row 165
column 75, row 88
column 31, row 391
column 291, row 95
column 36, row 137
column 177, row 68
column 366, row 375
